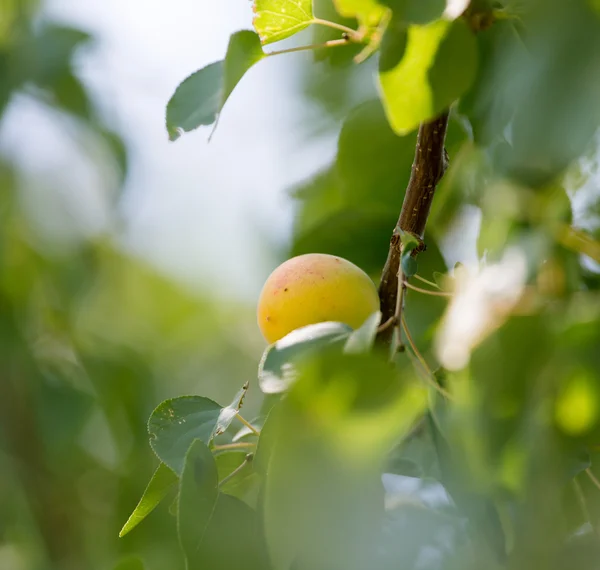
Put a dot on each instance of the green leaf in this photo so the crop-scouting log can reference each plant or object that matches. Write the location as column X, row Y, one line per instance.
column 327, row 441
column 277, row 368
column 363, row 338
column 276, row 20
column 455, row 66
column 196, row 101
column 438, row 65
column 200, row 98
column 243, row 52
column 373, row 163
column 367, row 12
column 228, row 413
column 161, row 483
column 176, row 423
column 130, row 563
column 198, row 493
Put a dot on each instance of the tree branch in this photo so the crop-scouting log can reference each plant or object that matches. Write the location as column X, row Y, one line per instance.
column 429, row 165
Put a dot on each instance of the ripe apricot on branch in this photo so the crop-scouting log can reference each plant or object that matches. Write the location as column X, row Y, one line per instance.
column 314, row 288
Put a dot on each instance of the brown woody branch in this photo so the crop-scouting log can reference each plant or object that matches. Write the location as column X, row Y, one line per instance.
column 428, row 167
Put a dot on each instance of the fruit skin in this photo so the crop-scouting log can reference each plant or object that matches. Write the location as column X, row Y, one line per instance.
column 314, row 288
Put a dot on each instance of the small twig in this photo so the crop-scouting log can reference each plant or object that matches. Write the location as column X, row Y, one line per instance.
column 391, row 321
column 425, row 291
column 248, row 459
column 238, row 445
column 583, row 504
column 430, row 377
column 247, row 424
column 331, row 43
column 592, row 477
column 426, row 281
column 398, row 316
column 354, row 35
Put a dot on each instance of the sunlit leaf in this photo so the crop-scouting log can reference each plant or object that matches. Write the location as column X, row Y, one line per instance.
column 162, row 482
column 438, row 65
column 276, row 20
column 277, row 369
column 176, row 423
column 367, row 12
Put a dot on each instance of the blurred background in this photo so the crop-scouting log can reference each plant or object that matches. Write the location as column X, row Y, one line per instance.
column 130, row 266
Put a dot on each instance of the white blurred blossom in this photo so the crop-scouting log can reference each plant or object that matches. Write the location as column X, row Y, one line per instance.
column 481, row 303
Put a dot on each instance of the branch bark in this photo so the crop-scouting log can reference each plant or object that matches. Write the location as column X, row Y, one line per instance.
column 429, row 165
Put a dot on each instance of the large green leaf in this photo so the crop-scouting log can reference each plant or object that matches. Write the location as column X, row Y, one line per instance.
column 200, row 98
column 162, row 482
column 327, row 441
column 198, row 494
column 277, row 368
column 438, row 65
column 373, row 163
column 276, row 20
column 216, row 530
column 176, row 423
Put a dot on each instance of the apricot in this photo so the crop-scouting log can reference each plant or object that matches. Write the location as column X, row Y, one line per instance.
column 314, row 288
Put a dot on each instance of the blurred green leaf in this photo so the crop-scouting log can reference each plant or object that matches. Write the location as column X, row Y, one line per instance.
column 162, row 482
column 393, row 44
column 438, row 66
column 275, row 20
column 367, row 12
column 229, row 412
column 176, row 423
column 200, row 98
column 373, row 163
column 130, row 563
column 277, row 368
column 363, row 338
column 327, row 441
column 198, row 494
column 416, row 11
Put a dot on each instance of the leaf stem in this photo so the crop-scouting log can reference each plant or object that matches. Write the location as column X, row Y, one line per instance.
column 425, row 291
column 247, row 424
column 330, row 43
column 430, row 376
column 247, row 459
column 355, row 36
column 592, row 477
column 398, row 316
column 426, row 281
column 237, row 445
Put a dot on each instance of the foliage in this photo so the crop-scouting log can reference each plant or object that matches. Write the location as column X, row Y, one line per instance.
column 476, row 446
